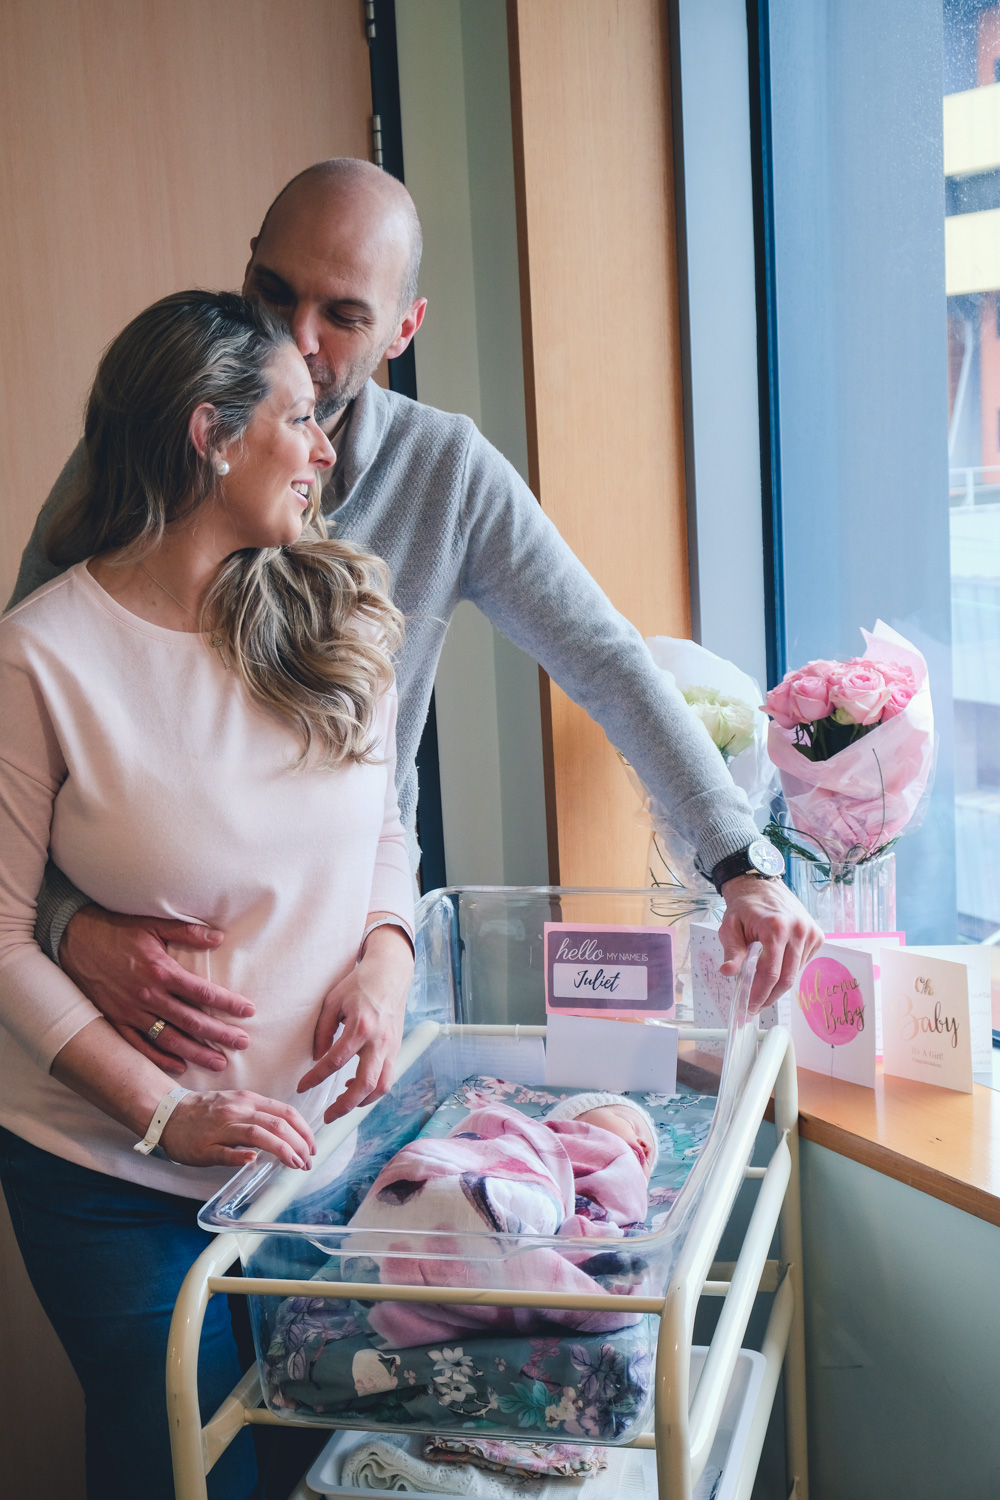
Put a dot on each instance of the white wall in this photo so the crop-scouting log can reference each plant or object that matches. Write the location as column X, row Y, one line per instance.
column 458, row 160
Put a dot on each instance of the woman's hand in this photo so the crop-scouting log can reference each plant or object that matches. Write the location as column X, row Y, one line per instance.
column 227, row 1128
column 369, row 1004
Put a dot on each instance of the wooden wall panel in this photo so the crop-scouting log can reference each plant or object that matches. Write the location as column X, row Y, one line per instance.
column 142, row 141
column 590, row 87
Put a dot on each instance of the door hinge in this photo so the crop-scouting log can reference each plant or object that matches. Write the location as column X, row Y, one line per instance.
column 370, row 20
column 377, row 140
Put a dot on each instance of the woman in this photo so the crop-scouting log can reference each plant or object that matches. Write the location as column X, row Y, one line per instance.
column 198, row 722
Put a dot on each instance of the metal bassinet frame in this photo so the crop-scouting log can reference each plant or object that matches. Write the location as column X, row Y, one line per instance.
column 684, row 1424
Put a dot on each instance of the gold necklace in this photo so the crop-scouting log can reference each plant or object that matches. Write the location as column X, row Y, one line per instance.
column 215, row 640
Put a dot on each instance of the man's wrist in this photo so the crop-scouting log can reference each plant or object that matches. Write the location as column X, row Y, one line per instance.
column 58, row 902
column 738, row 884
column 759, row 858
column 59, row 935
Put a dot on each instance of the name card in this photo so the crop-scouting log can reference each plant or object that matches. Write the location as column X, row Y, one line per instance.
column 833, row 1015
column 592, row 970
column 619, row 1056
column 926, row 1022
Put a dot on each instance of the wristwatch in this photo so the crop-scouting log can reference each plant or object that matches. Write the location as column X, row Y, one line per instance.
column 760, row 858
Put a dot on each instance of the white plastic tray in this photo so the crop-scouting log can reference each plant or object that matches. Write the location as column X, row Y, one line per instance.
column 631, row 1472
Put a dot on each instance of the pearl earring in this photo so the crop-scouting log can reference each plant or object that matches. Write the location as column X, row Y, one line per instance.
column 221, row 467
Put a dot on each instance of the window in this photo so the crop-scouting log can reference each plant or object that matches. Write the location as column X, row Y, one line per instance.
column 867, row 358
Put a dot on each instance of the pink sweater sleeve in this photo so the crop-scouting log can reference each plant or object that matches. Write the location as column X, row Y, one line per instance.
column 392, row 880
column 39, row 1005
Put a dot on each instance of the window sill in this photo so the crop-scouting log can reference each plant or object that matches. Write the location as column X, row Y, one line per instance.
column 940, row 1142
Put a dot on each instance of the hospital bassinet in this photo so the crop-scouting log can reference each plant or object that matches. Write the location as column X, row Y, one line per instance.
column 475, row 1033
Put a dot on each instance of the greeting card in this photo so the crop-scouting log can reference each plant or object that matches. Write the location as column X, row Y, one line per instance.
column 926, row 1021
column 976, row 959
column 592, row 970
column 714, row 994
column 872, row 942
column 833, row 1014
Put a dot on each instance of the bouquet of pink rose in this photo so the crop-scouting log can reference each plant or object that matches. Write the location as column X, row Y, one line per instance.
column 853, row 742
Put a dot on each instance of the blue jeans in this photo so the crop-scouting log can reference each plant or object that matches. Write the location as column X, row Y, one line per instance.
column 107, row 1259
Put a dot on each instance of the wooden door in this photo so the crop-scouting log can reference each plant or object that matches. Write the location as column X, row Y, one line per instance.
column 590, row 87
column 142, row 141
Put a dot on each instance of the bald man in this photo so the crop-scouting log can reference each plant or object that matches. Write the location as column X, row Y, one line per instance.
column 337, row 258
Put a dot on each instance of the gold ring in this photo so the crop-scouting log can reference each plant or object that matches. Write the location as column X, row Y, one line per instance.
column 155, row 1030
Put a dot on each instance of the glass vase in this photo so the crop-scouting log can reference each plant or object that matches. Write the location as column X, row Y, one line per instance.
column 852, row 897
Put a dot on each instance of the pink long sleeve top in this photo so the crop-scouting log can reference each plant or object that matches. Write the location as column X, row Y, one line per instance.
column 137, row 759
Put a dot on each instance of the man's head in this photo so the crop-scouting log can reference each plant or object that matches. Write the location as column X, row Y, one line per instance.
column 337, row 258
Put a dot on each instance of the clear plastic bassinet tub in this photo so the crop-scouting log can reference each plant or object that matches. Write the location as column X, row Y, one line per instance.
column 574, row 1367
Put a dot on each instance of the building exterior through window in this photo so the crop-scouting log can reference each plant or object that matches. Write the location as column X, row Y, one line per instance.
column 972, row 264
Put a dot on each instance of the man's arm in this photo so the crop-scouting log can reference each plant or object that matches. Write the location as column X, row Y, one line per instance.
column 525, row 578
column 36, row 567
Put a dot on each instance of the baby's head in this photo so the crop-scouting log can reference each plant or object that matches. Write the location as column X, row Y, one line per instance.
column 618, row 1116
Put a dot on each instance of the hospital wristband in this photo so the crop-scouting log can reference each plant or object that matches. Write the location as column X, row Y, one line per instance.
column 164, row 1110
column 384, row 922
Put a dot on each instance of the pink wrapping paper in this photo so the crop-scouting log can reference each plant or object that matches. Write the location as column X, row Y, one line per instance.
column 864, row 796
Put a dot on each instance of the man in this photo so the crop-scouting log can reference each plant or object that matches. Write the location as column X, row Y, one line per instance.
column 337, row 258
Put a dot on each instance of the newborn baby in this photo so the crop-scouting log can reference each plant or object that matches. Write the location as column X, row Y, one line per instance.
column 580, row 1172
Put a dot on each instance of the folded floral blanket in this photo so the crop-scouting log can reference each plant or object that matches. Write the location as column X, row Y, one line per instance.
column 441, row 1202
column 519, row 1460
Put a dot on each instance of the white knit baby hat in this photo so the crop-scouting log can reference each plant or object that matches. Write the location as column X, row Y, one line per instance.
column 581, row 1104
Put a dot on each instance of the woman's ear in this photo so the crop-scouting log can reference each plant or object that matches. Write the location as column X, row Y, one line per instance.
column 200, row 428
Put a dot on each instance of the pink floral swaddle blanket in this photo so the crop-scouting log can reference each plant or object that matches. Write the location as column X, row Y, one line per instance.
column 501, row 1173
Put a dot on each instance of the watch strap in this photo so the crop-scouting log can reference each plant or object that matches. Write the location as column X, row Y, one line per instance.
column 164, row 1110
column 734, row 865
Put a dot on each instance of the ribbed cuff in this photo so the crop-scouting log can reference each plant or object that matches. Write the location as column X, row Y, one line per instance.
column 57, row 905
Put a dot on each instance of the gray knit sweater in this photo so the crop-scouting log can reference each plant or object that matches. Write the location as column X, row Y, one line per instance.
column 425, row 490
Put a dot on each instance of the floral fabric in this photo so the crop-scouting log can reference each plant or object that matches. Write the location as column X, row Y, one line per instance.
column 321, row 1359
column 520, row 1460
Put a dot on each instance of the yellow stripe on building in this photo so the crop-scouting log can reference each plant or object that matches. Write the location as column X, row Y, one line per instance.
column 972, row 252
column 972, row 131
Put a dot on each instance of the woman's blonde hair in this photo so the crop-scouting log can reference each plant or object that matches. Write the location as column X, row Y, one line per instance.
column 308, row 628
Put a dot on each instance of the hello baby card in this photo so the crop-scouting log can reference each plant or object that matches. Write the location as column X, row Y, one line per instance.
column 833, row 1014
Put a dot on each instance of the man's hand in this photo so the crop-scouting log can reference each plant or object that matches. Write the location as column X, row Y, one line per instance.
column 122, row 965
column 765, row 911
column 369, row 1004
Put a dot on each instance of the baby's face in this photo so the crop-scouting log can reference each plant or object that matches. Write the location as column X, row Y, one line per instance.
column 628, row 1127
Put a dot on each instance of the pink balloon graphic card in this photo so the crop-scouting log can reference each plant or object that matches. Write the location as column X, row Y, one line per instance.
column 833, row 1015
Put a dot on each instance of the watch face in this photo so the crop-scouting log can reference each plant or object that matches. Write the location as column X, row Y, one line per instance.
column 765, row 858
